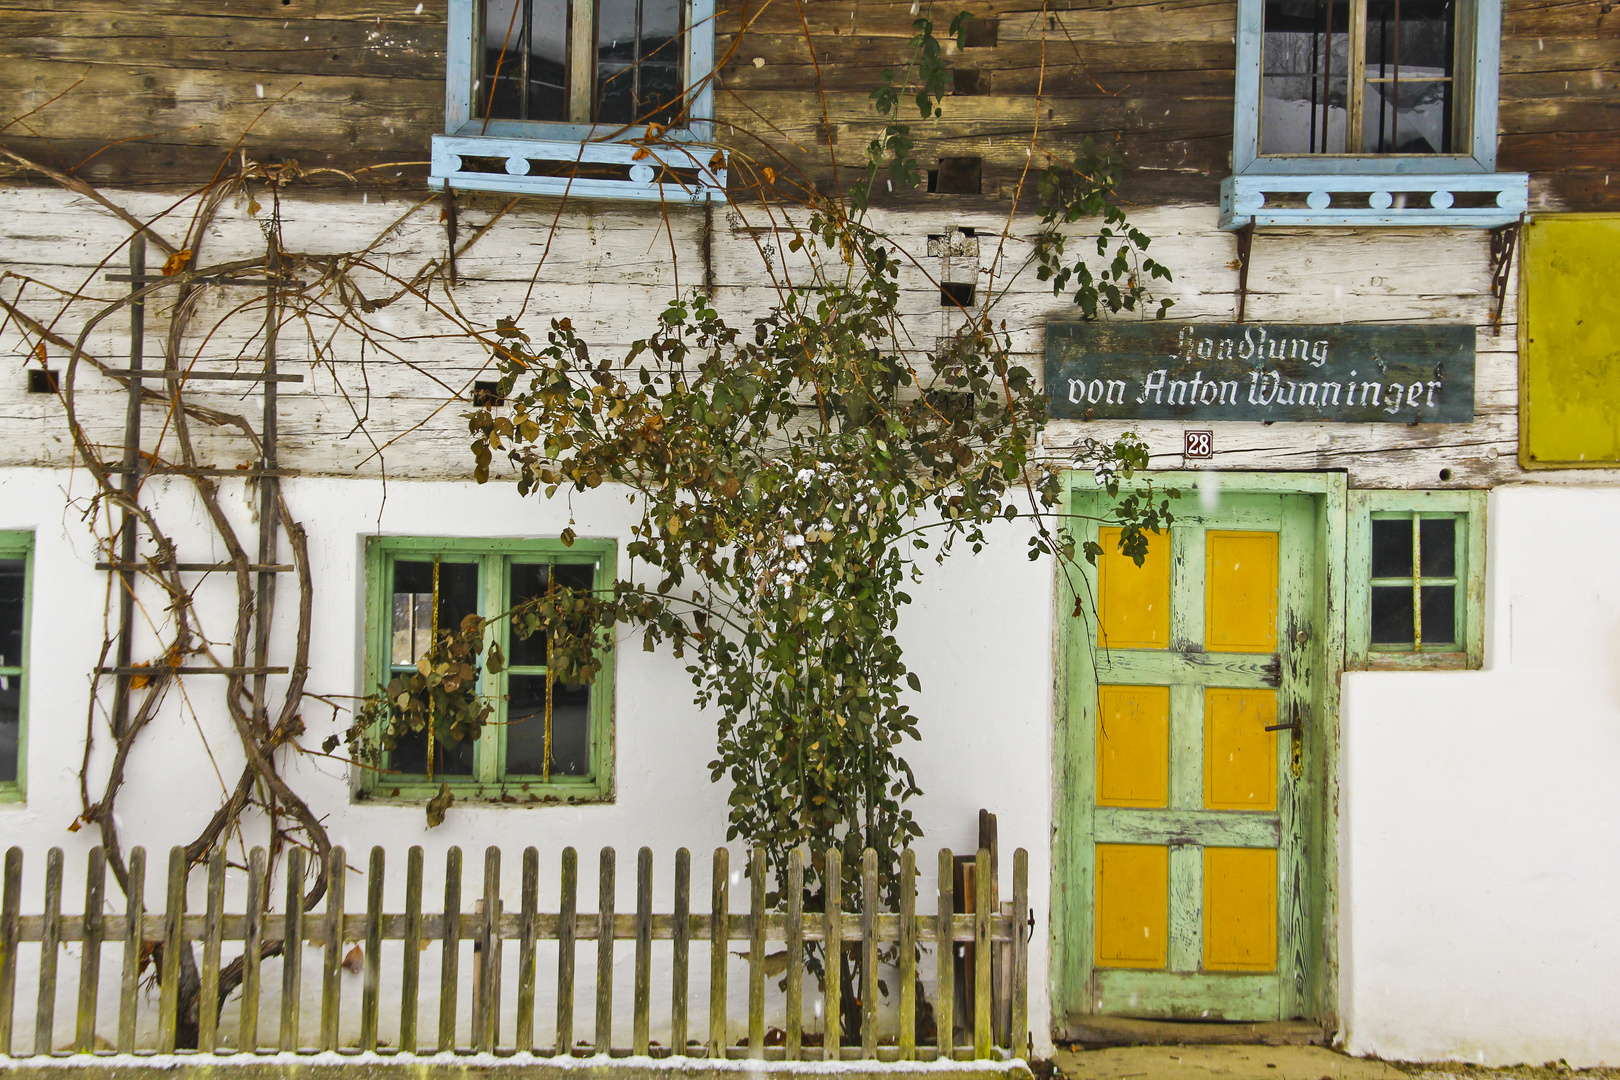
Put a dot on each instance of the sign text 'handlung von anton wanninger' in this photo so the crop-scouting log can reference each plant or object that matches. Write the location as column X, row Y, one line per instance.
column 1421, row 374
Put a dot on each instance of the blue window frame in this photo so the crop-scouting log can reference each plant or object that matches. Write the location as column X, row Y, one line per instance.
column 16, row 576
column 1368, row 112
column 587, row 98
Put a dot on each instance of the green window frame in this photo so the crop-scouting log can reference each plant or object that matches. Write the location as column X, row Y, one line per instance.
column 479, row 574
column 1420, row 606
column 16, row 602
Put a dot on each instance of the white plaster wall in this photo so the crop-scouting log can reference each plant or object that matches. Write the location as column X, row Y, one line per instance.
column 1481, row 814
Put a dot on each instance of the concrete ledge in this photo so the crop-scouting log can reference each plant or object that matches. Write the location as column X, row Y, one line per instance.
column 1098, row 1031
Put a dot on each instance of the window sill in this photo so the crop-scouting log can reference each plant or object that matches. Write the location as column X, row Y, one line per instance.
column 667, row 173
column 517, row 793
column 1480, row 200
column 1407, row 661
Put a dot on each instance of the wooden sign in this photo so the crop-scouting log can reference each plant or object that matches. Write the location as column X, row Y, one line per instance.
column 1361, row 374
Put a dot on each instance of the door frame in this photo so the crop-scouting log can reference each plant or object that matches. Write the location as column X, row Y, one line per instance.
column 1071, row 897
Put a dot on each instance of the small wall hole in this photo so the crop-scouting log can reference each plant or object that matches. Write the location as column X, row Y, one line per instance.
column 957, row 176
column 487, row 395
column 1445, row 474
column 956, row 293
column 44, row 381
column 969, row 81
column 981, row 33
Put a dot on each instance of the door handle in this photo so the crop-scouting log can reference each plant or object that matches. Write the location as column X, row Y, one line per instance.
column 1291, row 726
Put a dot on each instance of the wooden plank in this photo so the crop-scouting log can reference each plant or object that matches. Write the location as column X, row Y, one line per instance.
column 793, row 1035
column 173, row 942
column 524, row 1037
column 605, row 893
column 756, row 953
column 1187, row 995
column 369, row 988
column 1225, row 828
column 258, row 892
column 832, row 893
column 213, row 927
column 640, row 1039
column 945, row 957
column 332, row 955
column 10, row 905
column 292, row 951
column 719, row 934
column 1019, row 1034
column 50, row 951
column 565, row 952
column 680, row 964
column 869, row 951
column 95, row 883
column 908, row 955
column 486, row 1035
column 450, row 955
column 411, row 959
column 983, row 911
column 1185, row 951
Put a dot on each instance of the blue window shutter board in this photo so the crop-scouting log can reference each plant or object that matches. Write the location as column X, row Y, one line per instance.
column 460, row 51
column 1246, row 121
column 1372, row 200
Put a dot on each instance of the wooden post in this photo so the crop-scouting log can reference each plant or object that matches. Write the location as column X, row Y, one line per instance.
column 10, row 916
column 719, row 935
column 369, row 1003
column 795, row 955
column 605, row 888
column 173, row 941
column 908, row 955
column 450, row 957
column 983, row 912
column 258, row 892
column 292, row 950
column 332, row 957
column 488, row 989
column 832, row 891
column 682, row 957
column 869, row 950
column 524, row 1038
column 640, row 1036
column 95, row 883
column 50, row 949
column 213, row 930
column 756, row 954
column 1018, row 1034
column 945, row 956
column 411, row 961
column 565, row 952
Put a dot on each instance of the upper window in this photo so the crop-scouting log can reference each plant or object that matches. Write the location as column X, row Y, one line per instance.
column 545, row 739
column 14, row 576
column 1418, row 578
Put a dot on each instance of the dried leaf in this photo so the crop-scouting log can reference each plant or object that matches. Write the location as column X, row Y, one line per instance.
column 354, row 960
column 176, row 262
column 438, row 805
column 640, row 153
column 770, row 175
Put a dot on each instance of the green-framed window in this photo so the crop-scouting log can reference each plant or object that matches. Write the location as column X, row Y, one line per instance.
column 1417, row 579
column 546, row 740
column 16, row 574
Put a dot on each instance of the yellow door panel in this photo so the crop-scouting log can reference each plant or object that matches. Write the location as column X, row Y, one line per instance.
column 1133, row 905
column 1240, row 755
column 1133, row 746
column 1133, row 602
column 1240, row 909
column 1240, row 591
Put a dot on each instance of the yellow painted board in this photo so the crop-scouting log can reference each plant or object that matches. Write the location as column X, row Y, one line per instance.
column 1569, row 403
column 1133, row 905
column 1240, row 755
column 1133, row 602
column 1240, row 591
column 1133, row 746
column 1240, row 909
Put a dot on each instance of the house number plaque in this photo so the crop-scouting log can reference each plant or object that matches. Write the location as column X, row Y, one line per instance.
column 1362, row 374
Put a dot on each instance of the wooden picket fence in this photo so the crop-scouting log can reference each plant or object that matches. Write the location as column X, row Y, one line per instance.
column 997, row 939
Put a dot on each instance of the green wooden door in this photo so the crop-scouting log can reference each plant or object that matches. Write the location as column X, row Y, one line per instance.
column 1188, row 879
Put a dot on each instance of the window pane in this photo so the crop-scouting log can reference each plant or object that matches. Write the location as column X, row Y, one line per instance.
column 1305, row 58
column 10, row 726
column 11, row 612
column 410, row 757
column 1416, row 35
column 504, row 37
column 1392, row 547
column 527, row 581
column 1407, row 117
column 1392, row 622
column 1411, row 67
column 526, row 728
column 548, row 60
column 1439, row 614
column 413, row 604
column 637, row 60
column 1439, row 548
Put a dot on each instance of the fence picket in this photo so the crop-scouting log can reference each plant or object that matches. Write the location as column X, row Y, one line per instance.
column 410, row 975
column 258, row 893
column 793, row 1036
column 566, row 927
column 908, row 955
column 213, row 929
column 95, row 883
column 524, row 1037
column 169, row 984
column 756, row 954
column 292, row 950
column 372, row 961
column 332, row 957
column 682, row 950
column 488, row 984
column 450, row 958
column 10, row 915
column 640, row 1040
column 719, row 934
column 945, row 956
column 50, row 949
column 983, row 912
column 1019, row 1034
column 604, row 951
column 869, row 951
column 832, row 892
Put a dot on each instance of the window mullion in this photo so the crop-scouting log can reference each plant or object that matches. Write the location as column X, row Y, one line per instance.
column 581, row 60
column 1356, row 77
column 487, row 750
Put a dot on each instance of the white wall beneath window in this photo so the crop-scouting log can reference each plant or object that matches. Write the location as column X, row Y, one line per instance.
column 1480, row 813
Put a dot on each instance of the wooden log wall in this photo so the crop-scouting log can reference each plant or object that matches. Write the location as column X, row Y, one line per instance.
column 157, row 93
